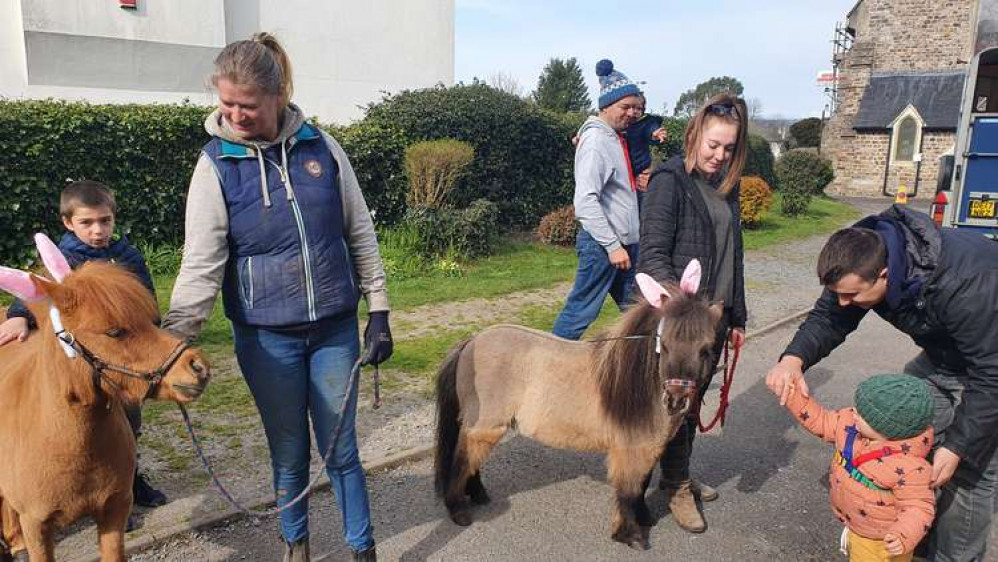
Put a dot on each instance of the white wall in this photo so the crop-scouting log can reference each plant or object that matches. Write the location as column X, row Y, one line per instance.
column 345, row 53
column 188, row 22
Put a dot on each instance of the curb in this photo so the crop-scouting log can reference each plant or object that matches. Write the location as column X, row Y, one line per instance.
column 778, row 324
column 419, row 452
column 159, row 536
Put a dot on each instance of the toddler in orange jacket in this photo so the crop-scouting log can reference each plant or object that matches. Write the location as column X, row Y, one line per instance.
column 879, row 475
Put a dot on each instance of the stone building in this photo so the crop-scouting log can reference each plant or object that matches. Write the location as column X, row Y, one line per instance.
column 898, row 94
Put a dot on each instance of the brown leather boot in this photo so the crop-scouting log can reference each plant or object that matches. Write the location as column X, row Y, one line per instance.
column 704, row 492
column 683, row 506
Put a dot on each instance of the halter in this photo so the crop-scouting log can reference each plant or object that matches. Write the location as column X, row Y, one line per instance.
column 684, row 383
column 99, row 367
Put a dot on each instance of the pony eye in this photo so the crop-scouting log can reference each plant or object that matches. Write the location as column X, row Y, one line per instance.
column 115, row 333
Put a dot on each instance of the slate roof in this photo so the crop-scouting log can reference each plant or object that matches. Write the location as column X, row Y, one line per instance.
column 936, row 96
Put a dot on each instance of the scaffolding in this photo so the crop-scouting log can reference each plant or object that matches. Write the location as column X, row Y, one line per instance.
column 841, row 43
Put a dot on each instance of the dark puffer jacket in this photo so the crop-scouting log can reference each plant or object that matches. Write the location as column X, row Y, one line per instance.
column 676, row 227
column 944, row 298
column 77, row 253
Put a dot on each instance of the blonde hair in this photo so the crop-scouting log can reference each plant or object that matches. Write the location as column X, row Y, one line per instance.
column 259, row 61
column 694, row 136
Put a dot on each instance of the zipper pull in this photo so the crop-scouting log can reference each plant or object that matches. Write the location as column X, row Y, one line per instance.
column 287, row 183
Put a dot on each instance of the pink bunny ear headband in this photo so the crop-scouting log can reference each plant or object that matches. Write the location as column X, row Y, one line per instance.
column 656, row 295
column 19, row 283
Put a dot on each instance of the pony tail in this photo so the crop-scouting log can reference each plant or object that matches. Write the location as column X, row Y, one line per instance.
column 287, row 86
column 448, row 422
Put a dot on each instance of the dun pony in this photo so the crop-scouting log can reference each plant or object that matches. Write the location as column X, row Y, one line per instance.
column 624, row 395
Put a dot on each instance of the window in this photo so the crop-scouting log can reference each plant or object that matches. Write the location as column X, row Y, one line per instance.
column 906, row 136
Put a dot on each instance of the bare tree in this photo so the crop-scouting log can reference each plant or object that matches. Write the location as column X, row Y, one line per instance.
column 506, row 83
column 754, row 108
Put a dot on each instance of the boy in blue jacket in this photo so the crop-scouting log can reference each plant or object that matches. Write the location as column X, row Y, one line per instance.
column 87, row 210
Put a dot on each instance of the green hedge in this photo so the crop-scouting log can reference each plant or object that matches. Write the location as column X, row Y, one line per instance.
column 146, row 153
column 523, row 154
column 377, row 154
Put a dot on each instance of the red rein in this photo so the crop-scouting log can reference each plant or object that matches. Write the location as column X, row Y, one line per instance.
column 729, row 375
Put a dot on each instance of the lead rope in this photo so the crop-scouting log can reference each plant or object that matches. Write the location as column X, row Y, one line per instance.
column 308, row 489
column 729, row 376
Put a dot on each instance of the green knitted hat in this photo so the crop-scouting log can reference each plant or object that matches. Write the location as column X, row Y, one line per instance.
column 896, row 406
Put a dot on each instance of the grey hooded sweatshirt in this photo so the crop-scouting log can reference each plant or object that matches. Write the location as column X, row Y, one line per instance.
column 206, row 224
column 605, row 203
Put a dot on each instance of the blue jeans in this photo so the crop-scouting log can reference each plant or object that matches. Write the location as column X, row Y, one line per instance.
column 294, row 375
column 595, row 278
column 965, row 505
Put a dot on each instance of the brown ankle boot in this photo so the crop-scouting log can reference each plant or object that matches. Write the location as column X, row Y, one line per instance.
column 704, row 492
column 683, row 506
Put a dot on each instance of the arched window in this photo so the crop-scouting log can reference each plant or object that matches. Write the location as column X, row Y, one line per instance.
column 907, row 135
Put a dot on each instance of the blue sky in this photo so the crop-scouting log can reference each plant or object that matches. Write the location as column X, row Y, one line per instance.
column 775, row 47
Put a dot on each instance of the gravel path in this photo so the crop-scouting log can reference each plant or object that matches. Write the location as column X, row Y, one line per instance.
column 779, row 281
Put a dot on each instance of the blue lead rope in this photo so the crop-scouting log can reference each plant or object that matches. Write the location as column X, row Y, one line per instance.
column 308, row 489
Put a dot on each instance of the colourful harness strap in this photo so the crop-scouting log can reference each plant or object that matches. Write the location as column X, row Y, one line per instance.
column 845, row 459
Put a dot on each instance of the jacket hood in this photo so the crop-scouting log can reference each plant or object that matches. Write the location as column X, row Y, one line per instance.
column 80, row 251
column 291, row 121
column 913, row 245
column 597, row 123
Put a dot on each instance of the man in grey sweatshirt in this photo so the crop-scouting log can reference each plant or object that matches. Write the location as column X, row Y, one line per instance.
column 606, row 206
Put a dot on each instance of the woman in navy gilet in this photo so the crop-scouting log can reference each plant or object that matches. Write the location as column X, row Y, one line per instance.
column 275, row 220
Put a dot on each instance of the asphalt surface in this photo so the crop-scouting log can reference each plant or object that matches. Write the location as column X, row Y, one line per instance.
column 555, row 505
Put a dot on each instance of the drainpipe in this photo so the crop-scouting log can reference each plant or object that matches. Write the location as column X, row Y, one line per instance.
column 887, row 161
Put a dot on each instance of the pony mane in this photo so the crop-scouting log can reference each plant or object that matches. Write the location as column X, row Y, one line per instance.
column 101, row 295
column 627, row 370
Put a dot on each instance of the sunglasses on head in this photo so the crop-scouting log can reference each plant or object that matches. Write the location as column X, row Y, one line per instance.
column 723, row 109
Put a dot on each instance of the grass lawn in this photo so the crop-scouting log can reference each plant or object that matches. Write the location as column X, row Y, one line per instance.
column 824, row 216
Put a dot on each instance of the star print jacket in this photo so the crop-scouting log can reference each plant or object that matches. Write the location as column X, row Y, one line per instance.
column 877, row 487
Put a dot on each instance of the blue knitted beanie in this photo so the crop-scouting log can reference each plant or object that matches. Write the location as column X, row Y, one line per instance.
column 613, row 85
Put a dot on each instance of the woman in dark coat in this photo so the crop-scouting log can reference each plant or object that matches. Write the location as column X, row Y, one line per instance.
column 691, row 212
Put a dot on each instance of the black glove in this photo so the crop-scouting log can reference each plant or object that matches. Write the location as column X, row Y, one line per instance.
column 378, row 344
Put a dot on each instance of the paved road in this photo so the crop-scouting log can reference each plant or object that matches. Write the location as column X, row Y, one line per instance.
column 555, row 505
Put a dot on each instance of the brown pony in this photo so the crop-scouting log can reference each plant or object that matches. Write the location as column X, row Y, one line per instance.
column 66, row 449
column 624, row 394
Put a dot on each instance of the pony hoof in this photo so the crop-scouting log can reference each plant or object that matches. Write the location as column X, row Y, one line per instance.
column 637, row 542
column 461, row 518
column 480, row 498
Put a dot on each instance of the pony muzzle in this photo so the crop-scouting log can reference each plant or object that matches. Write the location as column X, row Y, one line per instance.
column 679, row 394
column 195, row 366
